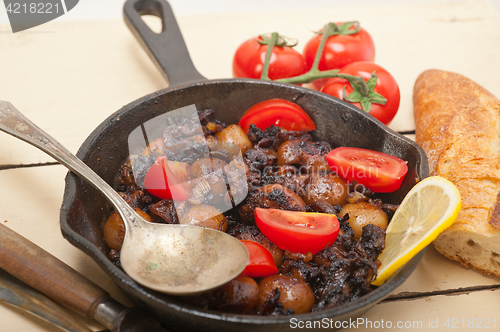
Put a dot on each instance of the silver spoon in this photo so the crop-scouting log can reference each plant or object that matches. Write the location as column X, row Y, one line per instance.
column 172, row 259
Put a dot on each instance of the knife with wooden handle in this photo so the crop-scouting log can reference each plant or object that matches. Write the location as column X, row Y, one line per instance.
column 22, row 296
column 47, row 274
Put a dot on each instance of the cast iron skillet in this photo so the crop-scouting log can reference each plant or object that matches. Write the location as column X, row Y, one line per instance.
column 84, row 210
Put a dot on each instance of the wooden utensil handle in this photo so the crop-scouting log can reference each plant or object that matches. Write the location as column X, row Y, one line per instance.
column 47, row 274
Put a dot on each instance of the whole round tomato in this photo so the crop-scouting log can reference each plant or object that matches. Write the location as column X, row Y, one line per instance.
column 386, row 86
column 339, row 51
column 249, row 60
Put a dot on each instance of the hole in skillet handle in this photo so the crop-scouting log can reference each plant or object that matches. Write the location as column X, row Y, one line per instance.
column 151, row 14
column 153, row 22
column 165, row 48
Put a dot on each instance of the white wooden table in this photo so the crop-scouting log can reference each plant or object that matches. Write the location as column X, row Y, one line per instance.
column 69, row 76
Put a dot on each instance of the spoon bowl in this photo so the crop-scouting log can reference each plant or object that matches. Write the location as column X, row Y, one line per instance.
column 198, row 257
column 172, row 259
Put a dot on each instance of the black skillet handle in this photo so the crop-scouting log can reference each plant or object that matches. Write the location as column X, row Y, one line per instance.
column 167, row 49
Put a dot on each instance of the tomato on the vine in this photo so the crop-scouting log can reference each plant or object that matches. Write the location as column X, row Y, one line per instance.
column 285, row 62
column 340, row 49
column 378, row 171
column 278, row 112
column 386, row 86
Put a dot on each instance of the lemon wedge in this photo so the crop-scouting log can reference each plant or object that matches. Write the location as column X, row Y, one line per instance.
column 430, row 207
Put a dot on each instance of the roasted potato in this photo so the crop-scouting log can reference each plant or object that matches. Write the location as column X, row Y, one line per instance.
column 234, row 134
column 240, row 295
column 325, row 186
column 294, row 294
column 204, row 216
column 114, row 229
column 362, row 214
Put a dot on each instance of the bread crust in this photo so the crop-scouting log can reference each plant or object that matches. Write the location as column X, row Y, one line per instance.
column 458, row 126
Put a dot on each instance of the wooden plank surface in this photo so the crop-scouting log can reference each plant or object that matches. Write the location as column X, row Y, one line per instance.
column 68, row 77
column 465, row 312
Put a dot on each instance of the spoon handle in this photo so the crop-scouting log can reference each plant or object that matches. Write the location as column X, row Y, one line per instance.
column 14, row 123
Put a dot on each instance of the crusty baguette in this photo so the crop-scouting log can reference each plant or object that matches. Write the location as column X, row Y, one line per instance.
column 458, row 126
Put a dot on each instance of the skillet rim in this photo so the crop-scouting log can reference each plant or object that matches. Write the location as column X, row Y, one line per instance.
column 360, row 305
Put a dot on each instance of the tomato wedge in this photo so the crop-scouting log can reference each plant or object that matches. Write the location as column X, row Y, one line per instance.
column 299, row 232
column 168, row 180
column 378, row 171
column 278, row 112
column 260, row 263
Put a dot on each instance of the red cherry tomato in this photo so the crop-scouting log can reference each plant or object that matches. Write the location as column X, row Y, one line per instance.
column 260, row 262
column 386, row 86
column 339, row 51
column 168, row 179
column 298, row 231
column 249, row 59
column 278, row 112
column 378, row 171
